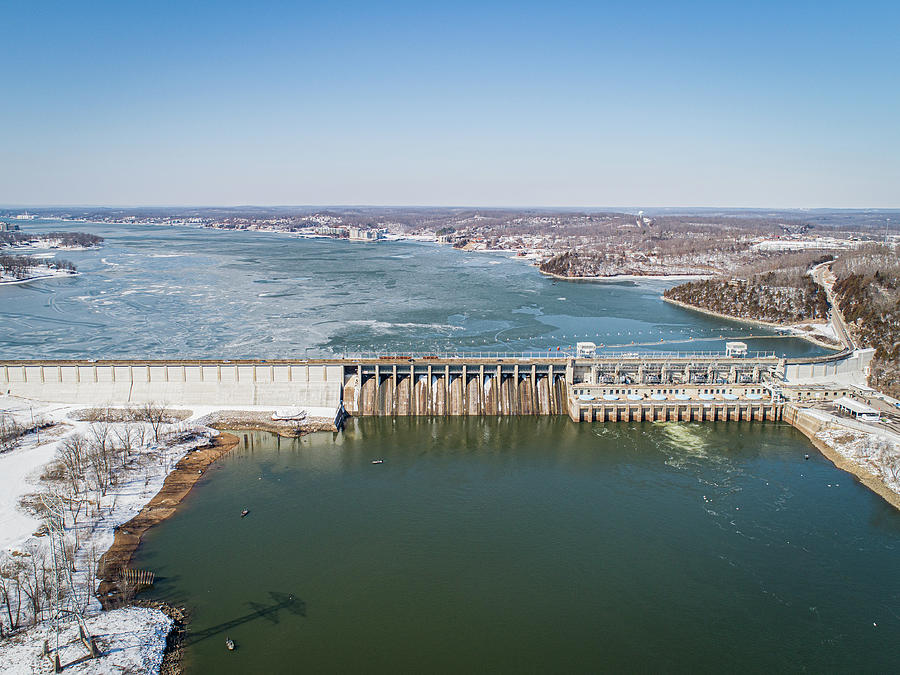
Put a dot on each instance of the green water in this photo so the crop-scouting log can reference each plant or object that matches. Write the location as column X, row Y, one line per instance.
column 532, row 545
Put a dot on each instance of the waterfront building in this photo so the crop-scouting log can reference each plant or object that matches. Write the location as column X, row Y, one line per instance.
column 329, row 231
column 364, row 234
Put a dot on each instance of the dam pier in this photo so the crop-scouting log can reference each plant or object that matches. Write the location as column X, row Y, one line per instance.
column 586, row 386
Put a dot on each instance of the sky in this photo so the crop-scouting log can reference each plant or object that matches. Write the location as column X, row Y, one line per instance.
column 579, row 104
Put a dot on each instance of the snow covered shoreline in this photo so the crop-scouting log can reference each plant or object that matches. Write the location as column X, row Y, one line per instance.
column 869, row 453
column 45, row 273
column 876, row 453
column 160, row 463
column 131, row 639
column 630, row 277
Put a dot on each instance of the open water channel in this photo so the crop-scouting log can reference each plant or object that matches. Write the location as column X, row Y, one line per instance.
column 515, row 545
column 479, row 544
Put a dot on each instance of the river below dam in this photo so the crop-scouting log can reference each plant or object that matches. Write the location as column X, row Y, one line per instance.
column 532, row 545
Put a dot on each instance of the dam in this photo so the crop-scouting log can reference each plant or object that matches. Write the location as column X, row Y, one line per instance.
column 583, row 385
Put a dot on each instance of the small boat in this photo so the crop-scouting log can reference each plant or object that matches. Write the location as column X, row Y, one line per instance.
column 290, row 415
column 377, row 461
column 229, row 643
column 245, row 512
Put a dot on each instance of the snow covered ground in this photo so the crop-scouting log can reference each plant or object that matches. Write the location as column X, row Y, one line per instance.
column 132, row 639
column 877, row 453
column 19, row 471
column 37, row 272
column 823, row 330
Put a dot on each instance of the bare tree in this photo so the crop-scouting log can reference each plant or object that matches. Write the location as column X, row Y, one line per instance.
column 10, row 432
column 100, row 457
column 155, row 415
column 11, row 593
column 73, row 455
column 125, row 435
column 36, row 582
column 99, row 433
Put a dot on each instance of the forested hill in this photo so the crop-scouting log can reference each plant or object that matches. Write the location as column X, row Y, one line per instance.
column 867, row 287
column 783, row 295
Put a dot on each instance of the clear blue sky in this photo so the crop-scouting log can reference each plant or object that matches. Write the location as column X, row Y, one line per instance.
column 775, row 104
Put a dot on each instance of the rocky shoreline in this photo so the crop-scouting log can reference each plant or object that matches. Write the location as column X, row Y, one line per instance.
column 757, row 322
column 627, row 277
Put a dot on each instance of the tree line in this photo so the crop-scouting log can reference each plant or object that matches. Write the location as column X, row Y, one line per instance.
column 23, row 266
column 69, row 239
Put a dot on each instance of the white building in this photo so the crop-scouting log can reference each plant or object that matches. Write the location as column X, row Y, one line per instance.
column 585, row 350
column 736, row 349
column 330, row 231
column 858, row 410
column 364, row 234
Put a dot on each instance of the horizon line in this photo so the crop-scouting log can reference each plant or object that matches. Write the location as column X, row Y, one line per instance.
column 447, row 206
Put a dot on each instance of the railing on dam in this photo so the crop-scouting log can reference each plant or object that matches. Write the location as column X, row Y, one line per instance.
column 554, row 355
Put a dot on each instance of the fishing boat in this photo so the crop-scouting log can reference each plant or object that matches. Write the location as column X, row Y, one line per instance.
column 229, row 643
column 377, row 461
column 245, row 512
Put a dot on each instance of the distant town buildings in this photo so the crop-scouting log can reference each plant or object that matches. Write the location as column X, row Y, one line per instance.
column 805, row 244
column 364, row 234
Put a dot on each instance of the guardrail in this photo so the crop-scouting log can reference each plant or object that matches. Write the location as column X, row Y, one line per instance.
column 336, row 359
column 554, row 354
column 451, row 356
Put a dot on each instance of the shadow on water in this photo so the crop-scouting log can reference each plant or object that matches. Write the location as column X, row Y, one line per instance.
column 281, row 601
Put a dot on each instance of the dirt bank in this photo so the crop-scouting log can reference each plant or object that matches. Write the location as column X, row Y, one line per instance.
column 128, row 537
column 252, row 420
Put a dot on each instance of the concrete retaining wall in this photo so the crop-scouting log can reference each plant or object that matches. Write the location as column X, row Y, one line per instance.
column 801, row 419
column 209, row 383
column 853, row 369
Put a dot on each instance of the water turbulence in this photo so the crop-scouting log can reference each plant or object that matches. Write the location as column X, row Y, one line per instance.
column 460, row 391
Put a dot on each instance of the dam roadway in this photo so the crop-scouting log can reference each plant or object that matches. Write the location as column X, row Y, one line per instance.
column 609, row 386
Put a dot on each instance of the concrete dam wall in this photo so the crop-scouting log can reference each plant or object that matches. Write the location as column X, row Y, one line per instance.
column 176, row 383
column 627, row 387
column 852, row 368
column 459, row 389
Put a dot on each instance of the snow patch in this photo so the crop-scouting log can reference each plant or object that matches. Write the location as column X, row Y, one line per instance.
column 876, row 453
